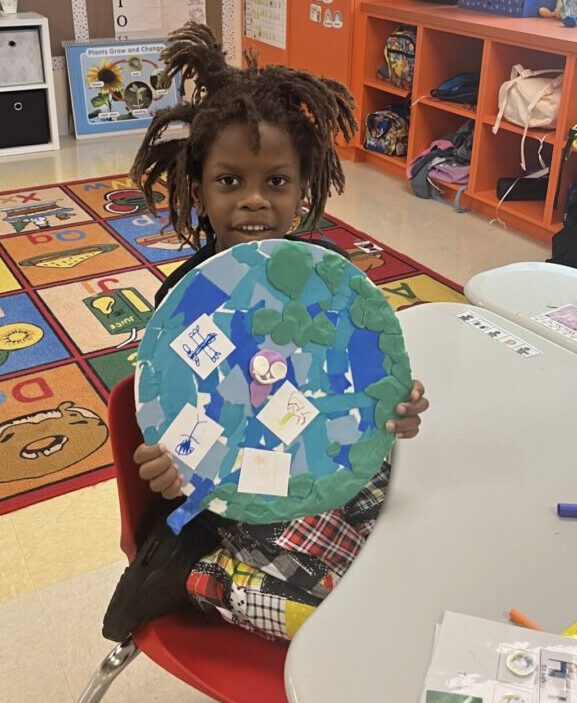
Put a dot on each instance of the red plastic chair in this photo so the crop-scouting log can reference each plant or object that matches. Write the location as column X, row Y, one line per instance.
column 221, row 660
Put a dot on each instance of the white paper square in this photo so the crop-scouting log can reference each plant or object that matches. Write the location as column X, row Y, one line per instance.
column 203, row 346
column 264, row 472
column 368, row 247
column 287, row 413
column 191, row 435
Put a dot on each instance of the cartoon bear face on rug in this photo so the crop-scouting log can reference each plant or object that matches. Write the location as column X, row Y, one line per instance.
column 36, row 445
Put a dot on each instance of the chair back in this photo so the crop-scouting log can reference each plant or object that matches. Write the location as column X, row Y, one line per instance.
column 221, row 660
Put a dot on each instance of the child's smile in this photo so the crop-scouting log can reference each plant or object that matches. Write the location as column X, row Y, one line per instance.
column 249, row 195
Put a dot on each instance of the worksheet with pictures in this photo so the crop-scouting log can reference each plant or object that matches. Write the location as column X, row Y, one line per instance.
column 481, row 661
column 562, row 320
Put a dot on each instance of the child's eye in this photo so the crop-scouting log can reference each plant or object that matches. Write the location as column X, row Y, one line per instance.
column 278, row 181
column 228, row 181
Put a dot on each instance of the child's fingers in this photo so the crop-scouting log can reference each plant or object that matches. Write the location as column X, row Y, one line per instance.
column 418, row 390
column 165, row 480
column 153, row 469
column 414, row 408
column 173, row 491
column 404, row 427
column 144, row 453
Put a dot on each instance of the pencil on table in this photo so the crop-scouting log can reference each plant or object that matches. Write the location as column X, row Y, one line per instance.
column 516, row 617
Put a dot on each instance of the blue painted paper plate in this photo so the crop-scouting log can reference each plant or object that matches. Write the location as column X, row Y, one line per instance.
column 269, row 372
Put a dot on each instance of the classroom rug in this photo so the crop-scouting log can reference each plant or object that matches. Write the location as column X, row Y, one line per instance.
column 80, row 262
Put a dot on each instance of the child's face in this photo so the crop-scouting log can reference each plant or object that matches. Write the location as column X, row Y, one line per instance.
column 249, row 196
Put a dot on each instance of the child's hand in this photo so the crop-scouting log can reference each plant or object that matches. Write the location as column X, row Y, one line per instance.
column 408, row 424
column 157, row 468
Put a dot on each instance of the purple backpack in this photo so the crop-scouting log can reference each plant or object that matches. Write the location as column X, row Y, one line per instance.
column 446, row 160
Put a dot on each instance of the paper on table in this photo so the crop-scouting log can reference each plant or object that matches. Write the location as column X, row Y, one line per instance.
column 480, row 658
column 562, row 320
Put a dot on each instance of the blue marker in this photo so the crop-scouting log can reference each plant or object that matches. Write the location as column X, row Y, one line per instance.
column 567, row 509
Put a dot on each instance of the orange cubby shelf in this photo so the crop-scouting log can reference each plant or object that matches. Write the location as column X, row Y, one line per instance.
column 547, row 135
column 451, row 41
column 453, row 108
column 530, row 211
column 386, row 87
column 393, row 163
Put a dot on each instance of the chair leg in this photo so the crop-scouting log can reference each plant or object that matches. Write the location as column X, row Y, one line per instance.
column 114, row 663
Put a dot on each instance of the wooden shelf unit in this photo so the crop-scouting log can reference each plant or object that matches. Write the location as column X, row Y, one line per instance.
column 451, row 41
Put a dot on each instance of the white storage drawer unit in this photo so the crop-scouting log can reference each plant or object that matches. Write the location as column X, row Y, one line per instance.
column 20, row 56
column 28, row 120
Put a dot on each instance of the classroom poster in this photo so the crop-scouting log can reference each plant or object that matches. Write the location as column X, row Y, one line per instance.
column 114, row 86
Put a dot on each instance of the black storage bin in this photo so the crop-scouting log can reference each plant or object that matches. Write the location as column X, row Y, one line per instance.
column 24, row 118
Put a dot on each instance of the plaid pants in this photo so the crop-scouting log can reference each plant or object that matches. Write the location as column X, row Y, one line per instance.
column 270, row 578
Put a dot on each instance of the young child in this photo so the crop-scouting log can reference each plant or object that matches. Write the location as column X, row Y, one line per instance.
column 260, row 146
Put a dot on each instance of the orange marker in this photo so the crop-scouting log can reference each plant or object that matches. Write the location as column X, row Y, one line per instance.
column 518, row 618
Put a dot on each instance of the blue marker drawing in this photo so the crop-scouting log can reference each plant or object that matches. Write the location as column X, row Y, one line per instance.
column 185, row 447
column 203, row 344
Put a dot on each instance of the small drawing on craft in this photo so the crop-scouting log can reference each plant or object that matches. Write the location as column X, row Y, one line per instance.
column 203, row 346
column 191, row 435
column 288, row 413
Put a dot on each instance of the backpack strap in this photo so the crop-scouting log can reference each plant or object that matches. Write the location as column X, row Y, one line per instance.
column 547, row 90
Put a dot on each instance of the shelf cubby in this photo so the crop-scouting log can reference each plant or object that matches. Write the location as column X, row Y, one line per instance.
column 501, row 157
column 502, row 59
column 386, row 87
column 377, row 31
column 374, row 99
column 454, row 108
column 453, row 54
column 547, row 135
column 429, row 123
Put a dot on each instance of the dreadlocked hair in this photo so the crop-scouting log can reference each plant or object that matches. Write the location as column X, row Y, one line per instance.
column 312, row 110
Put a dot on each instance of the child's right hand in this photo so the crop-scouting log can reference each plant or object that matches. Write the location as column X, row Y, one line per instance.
column 157, row 468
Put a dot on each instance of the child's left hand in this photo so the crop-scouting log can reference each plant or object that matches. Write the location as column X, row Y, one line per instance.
column 407, row 425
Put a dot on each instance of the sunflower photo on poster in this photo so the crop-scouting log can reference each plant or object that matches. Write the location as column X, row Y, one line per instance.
column 115, row 85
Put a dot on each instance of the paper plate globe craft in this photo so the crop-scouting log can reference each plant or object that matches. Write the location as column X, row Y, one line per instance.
column 269, row 372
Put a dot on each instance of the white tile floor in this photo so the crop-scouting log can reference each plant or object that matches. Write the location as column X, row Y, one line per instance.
column 59, row 559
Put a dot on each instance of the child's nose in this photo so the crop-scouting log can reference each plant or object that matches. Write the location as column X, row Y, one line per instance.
column 254, row 200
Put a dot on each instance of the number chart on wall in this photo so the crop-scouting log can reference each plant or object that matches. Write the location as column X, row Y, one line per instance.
column 114, row 85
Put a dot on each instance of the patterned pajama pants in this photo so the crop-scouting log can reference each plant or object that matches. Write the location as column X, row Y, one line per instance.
column 270, row 578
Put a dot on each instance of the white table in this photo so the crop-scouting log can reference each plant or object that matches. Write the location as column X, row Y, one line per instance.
column 521, row 291
column 470, row 522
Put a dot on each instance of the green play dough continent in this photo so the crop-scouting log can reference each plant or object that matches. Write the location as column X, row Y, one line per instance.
column 296, row 312
column 331, row 271
column 300, row 486
column 366, row 456
column 363, row 286
column 264, row 321
column 333, row 449
column 289, row 268
column 284, row 332
column 323, row 331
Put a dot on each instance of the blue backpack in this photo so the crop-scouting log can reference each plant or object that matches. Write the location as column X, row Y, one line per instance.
column 462, row 88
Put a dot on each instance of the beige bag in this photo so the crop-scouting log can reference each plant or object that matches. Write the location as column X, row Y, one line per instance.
column 530, row 100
